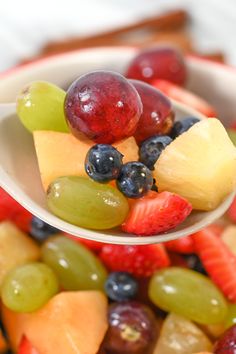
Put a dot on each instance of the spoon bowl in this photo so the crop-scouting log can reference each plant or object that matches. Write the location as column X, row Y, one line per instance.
column 19, row 173
column 19, row 176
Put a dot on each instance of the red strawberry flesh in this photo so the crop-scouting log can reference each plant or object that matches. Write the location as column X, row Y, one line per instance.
column 184, row 96
column 218, row 261
column 156, row 213
column 141, row 261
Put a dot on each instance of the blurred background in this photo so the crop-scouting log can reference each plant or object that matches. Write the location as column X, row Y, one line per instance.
column 32, row 29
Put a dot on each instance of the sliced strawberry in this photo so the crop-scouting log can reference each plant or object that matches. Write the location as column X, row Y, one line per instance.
column 232, row 211
column 183, row 245
column 13, row 211
column 141, row 261
column 182, row 95
column 218, row 261
column 155, row 213
column 26, row 347
column 92, row 245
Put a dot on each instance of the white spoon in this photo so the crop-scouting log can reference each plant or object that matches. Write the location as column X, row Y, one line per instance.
column 19, row 176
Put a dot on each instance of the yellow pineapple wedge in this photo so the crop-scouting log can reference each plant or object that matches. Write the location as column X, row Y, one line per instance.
column 199, row 165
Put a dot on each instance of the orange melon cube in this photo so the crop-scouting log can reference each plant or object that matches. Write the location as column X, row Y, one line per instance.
column 61, row 154
column 71, row 322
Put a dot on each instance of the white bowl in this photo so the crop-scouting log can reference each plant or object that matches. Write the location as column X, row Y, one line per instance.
column 215, row 82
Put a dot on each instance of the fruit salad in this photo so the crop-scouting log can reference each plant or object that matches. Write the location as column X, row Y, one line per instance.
column 68, row 295
column 110, row 147
column 65, row 295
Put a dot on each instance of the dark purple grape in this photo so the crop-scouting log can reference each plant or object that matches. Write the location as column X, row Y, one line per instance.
column 166, row 63
column 104, row 106
column 157, row 116
column 227, row 342
column 132, row 329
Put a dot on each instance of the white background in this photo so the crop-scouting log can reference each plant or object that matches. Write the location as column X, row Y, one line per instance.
column 25, row 25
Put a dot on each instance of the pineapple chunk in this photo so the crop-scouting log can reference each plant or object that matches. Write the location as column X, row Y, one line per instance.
column 15, row 248
column 181, row 336
column 199, row 165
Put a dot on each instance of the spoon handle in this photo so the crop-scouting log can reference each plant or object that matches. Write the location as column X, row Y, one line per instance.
column 7, row 109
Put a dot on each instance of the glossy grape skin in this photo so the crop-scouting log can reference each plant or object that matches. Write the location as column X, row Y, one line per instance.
column 132, row 329
column 76, row 267
column 230, row 319
column 40, row 106
column 162, row 62
column 28, row 287
column 189, row 294
column 86, row 203
column 104, row 106
column 227, row 342
column 157, row 116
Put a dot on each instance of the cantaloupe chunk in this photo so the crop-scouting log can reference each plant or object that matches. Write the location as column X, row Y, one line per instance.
column 61, row 154
column 71, row 322
column 15, row 248
column 14, row 324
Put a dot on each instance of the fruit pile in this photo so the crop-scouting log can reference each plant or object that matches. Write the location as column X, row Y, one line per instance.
column 110, row 147
column 58, row 291
column 61, row 294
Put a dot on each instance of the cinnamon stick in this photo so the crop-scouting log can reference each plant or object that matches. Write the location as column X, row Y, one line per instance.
column 166, row 22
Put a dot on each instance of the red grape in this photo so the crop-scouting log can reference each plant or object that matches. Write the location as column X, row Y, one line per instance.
column 227, row 342
column 157, row 116
column 104, row 106
column 165, row 63
column 132, row 329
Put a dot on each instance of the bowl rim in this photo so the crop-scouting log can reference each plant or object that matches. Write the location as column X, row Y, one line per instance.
column 37, row 62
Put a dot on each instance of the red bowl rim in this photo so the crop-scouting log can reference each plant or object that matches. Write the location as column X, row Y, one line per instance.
column 12, row 71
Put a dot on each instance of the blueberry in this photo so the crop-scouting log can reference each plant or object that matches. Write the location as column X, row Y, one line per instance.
column 194, row 263
column 151, row 149
column 121, row 286
column 103, row 163
column 40, row 230
column 182, row 126
column 135, row 179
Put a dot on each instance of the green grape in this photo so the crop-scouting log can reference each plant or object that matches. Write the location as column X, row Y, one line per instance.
column 83, row 202
column 232, row 135
column 40, row 106
column 76, row 267
column 28, row 287
column 230, row 319
column 189, row 294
